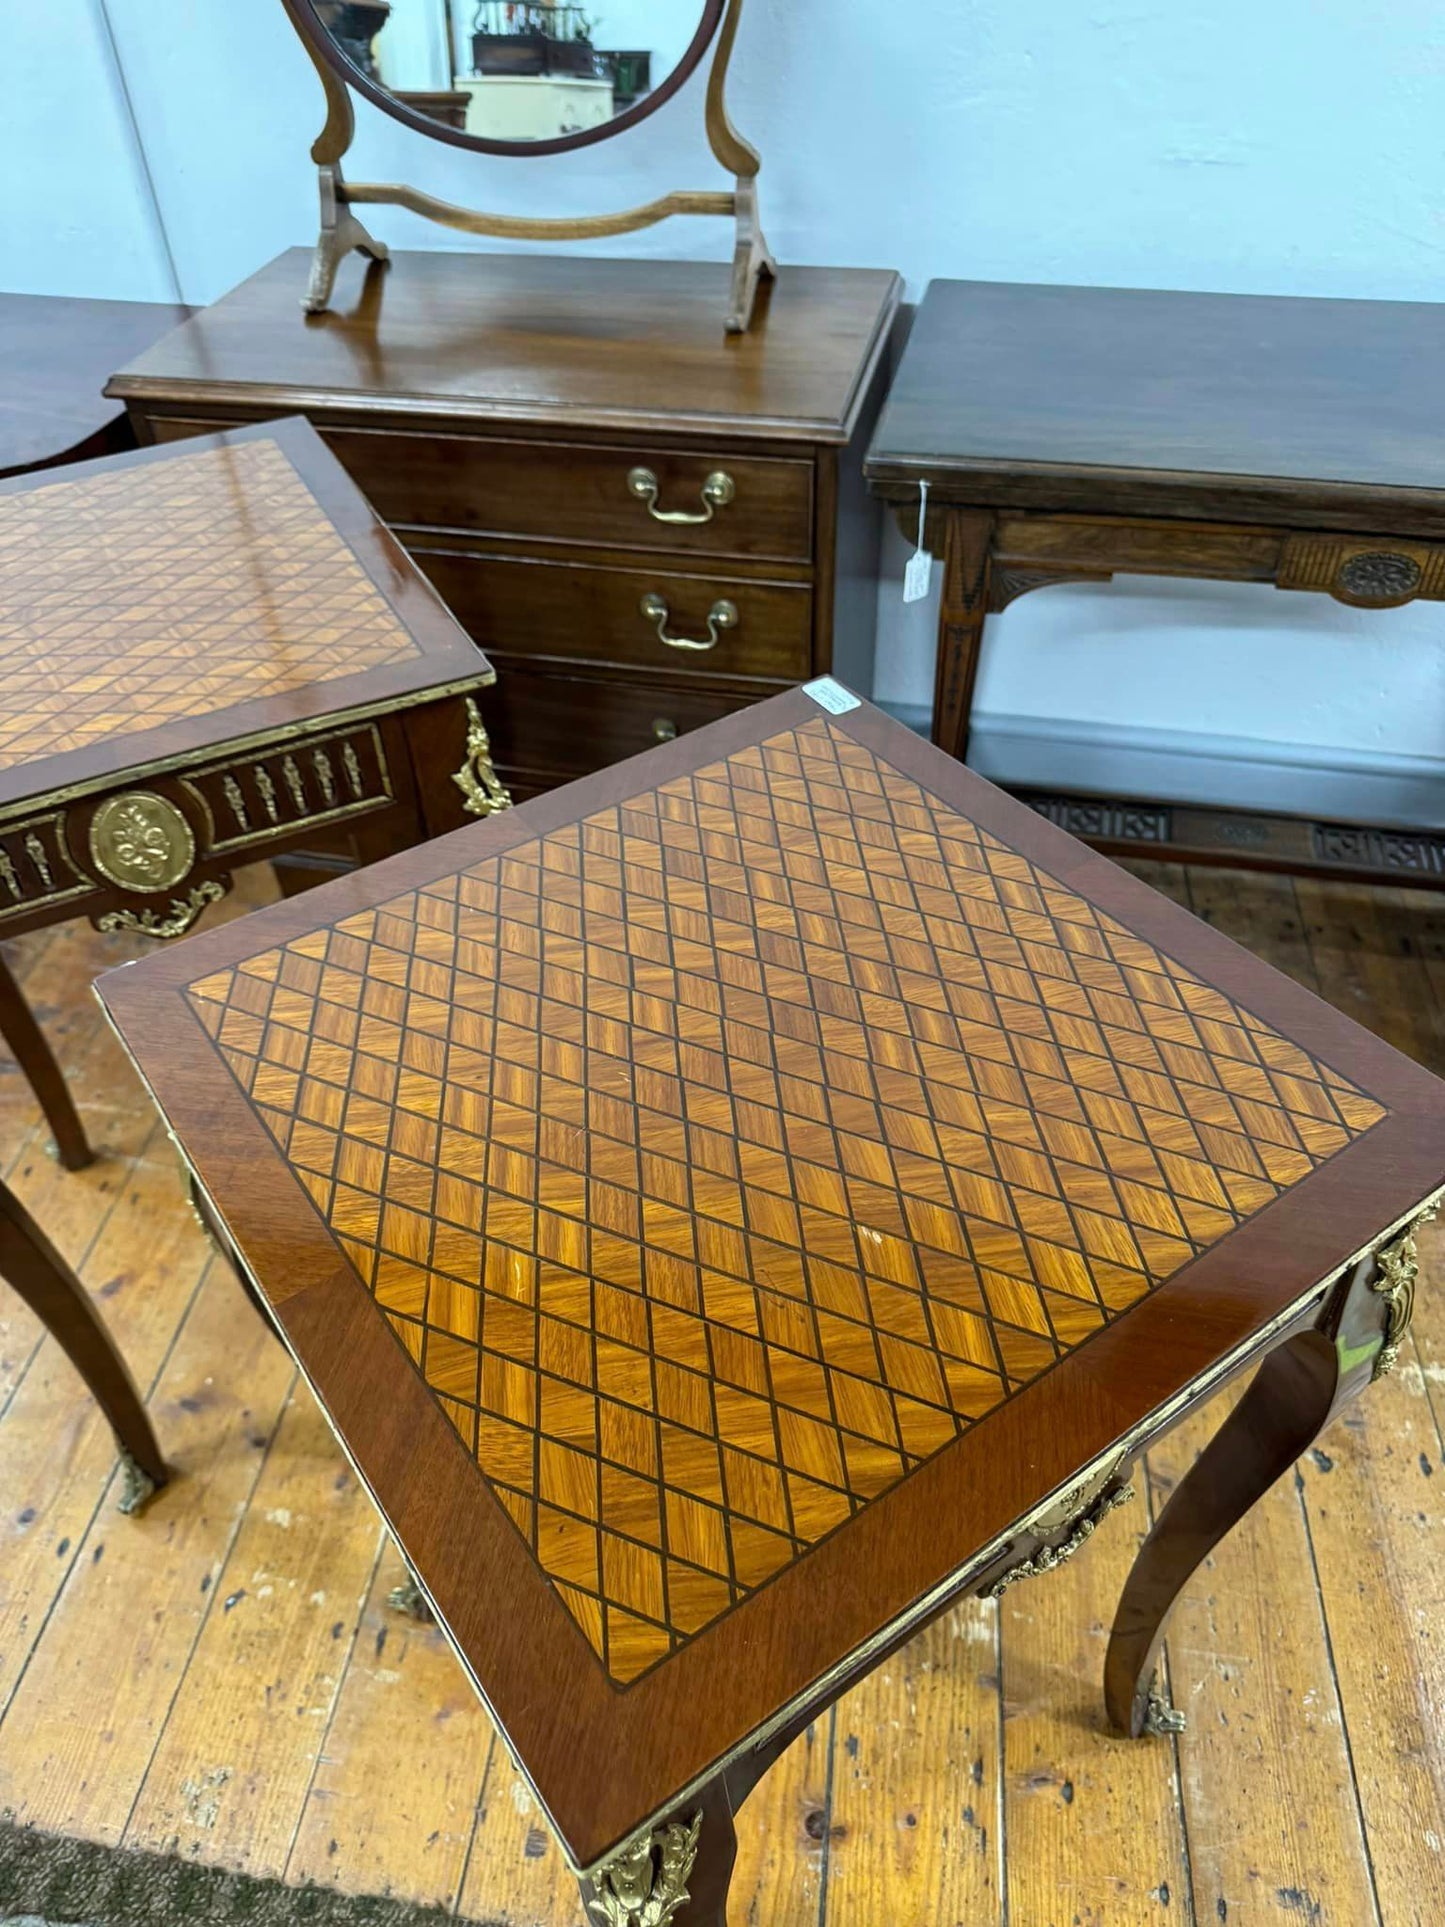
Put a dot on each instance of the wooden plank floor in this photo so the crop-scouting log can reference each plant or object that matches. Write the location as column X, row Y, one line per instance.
column 222, row 1675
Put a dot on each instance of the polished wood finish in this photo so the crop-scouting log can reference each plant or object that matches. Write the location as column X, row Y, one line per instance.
column 56, row 355
column 494, row 409
column 1072, row 434
column 970, row 1775
column 223, row 638
column 929, row 1161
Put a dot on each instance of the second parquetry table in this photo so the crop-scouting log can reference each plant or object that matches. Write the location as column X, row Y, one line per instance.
column 736, row 1205
column 211, row 655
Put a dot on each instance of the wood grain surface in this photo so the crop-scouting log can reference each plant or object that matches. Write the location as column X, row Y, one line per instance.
column 1123, row 400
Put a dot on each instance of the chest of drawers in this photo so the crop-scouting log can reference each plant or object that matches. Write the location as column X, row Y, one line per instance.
column 644, row 522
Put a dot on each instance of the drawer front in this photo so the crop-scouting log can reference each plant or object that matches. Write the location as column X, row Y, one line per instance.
column 570, row 492
column 548, row 727
column 597, row 615
column 155, row 844
column 577, row 492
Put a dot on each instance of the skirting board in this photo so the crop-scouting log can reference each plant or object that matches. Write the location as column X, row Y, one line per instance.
column 1109, row 811
column 1225, row 772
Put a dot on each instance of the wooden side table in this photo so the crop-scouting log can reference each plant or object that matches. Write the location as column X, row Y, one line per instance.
column 1072, row 434
column 735, row 1206
column 209, row 656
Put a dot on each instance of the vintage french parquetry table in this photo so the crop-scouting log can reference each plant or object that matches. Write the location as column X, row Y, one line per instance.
column 209, row 655
column 735, row 1205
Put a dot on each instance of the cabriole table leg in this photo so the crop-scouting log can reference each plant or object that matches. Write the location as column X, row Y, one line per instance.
column 36, row 1270
column 1294, row 1395
column 33, row 1055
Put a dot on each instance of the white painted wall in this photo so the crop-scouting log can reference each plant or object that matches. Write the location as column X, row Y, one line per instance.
column 76, row 214
column 1290, row 148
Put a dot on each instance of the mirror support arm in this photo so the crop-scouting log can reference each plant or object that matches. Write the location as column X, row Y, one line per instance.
column 341, row 231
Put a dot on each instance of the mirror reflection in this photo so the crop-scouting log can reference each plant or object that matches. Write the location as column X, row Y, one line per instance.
column 514, row 70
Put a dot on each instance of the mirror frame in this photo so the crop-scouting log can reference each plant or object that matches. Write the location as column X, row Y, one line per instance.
column 342, row 230
column 308, row 24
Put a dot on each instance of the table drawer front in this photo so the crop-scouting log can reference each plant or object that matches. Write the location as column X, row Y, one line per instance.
column 577, row 492
column 150, row 837
column 549, row 727
column 597, row 615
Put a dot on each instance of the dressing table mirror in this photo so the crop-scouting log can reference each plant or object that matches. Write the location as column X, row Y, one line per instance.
column 522, row 77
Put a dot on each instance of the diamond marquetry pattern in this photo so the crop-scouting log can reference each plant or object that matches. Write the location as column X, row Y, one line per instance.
column 722, row 1156
column 174, row 588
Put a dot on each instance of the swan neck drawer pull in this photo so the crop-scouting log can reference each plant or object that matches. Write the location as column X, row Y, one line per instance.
column 722, row 615
column 717, row 491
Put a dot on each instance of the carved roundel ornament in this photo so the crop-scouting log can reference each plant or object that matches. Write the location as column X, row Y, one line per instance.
column 141, row 842
column 1379, row 575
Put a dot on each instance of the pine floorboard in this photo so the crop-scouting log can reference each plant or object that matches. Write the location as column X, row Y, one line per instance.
column 222, row 1676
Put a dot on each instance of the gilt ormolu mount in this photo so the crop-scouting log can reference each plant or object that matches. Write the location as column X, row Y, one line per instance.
column 342, row 230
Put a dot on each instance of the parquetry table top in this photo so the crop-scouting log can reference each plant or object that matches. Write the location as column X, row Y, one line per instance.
column 195, row 594
column 716, row 1200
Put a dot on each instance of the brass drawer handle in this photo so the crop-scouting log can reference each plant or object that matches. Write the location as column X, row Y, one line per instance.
column 722, row 615
column 664, row 729
column 717, row 491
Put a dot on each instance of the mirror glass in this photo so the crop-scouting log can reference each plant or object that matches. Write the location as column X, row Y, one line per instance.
column 514, row 70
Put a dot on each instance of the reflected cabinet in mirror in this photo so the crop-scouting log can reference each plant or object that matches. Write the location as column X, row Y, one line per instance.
column 529, row 77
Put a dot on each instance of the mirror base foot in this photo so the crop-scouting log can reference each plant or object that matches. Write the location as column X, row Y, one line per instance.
column 340, row 233
column 752, row 260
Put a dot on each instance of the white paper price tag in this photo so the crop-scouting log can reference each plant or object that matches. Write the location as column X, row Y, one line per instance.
column 831, row 696
column 918, row 576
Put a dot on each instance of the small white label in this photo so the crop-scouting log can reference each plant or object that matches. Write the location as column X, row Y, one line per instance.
column 831, row 696
column 918, row 576
column 919, row 573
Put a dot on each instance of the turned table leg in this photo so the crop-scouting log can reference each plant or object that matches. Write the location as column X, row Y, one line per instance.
column 33, row 1055
column 967, row 536
column 1295, row 1393
column 678, row 1874
column 30, row 1263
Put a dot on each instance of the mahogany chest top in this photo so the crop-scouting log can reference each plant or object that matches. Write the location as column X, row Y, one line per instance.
column 716, row 1201
column 566, row 340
